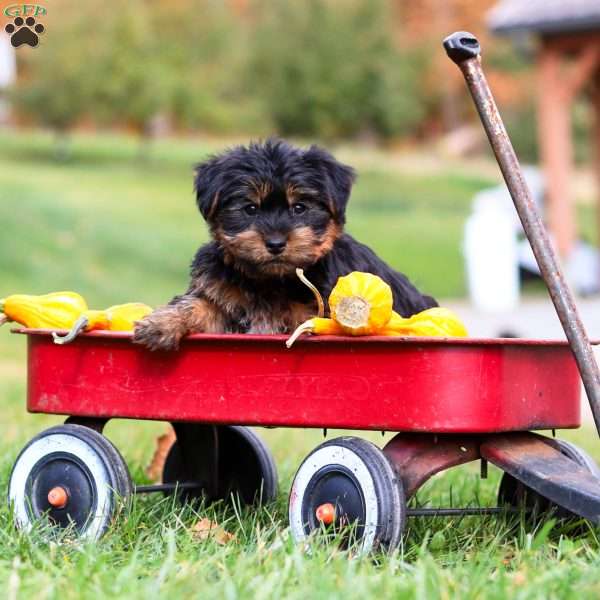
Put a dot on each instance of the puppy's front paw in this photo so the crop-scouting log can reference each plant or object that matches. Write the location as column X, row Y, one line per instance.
column 158, row 332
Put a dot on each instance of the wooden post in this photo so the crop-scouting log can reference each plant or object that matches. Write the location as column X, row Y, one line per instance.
column 558, row 86
column 554, row 133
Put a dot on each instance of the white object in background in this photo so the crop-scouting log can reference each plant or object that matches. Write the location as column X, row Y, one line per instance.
column 582, row 267
column 8, row 75
column 8, row 62
column 490, row 247
column 501, row 196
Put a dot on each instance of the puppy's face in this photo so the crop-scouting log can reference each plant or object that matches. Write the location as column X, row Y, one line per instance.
column 274, row 207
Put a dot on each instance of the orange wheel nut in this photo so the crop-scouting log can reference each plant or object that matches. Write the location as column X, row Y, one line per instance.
column 58, row 497
column 326, row 513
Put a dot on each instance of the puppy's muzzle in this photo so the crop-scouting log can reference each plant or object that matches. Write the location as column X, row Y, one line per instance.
column 275, row 244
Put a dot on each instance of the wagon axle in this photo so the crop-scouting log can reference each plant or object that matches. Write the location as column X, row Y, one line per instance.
column 167, row 487
column 326, row 513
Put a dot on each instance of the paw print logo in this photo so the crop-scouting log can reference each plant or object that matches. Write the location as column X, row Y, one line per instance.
column 24, row 32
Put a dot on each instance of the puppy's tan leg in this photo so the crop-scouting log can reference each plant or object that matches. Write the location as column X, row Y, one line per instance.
column 167, row 325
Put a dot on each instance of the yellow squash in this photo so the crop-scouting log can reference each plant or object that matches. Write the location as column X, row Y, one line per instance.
column 58, row 310
column 121, row 317
column 361, row 303
column 433, row 322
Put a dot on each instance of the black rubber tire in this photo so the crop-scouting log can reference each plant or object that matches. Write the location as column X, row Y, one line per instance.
column 245, row 467
column 580, row 456
column 94, row 469
column 516, row 494
column 353, row 472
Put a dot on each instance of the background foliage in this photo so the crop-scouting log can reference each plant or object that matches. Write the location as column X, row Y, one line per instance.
column 329, row 69
column 333, row 70
column 319, row 67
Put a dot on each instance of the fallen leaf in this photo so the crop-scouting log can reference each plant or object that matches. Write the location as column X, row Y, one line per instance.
column 205, row 529
column 163, row 445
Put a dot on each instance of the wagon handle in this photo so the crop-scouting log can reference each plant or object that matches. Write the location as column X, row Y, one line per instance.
column 464, row 49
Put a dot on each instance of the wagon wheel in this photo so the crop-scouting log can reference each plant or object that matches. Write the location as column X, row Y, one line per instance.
column 516, row 494
column 345, row 482
column 224, row 461
column 72, row 476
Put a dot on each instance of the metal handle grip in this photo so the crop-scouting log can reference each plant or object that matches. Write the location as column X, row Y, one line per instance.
column 462, row 45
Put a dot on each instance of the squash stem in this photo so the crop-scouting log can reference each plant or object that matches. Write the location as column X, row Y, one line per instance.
column 77, row 328
column 314, row 290
column 306, row 327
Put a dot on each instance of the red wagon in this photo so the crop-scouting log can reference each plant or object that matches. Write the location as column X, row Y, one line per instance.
column 453, row 401
column 450, row 401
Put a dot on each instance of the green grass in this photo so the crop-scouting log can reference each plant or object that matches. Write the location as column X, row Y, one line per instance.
column 116, row 230
column 103, row 222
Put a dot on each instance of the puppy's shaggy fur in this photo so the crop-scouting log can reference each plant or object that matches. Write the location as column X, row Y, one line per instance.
column 270, row 207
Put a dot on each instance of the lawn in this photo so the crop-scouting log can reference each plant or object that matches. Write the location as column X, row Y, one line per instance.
column 116, row 230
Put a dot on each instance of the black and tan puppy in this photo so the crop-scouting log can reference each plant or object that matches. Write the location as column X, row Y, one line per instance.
column 270, row 207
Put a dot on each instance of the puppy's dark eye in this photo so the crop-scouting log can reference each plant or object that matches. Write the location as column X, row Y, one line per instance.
column 299, row 208
column 250, row 209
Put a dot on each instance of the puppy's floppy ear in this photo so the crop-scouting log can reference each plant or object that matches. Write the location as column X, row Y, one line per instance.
column 335, row 178
column 207, row 184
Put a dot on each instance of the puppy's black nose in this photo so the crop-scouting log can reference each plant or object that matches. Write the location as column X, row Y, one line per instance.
column 275, row 245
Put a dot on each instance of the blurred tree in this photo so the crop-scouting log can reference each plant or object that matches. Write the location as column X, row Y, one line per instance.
column 132, row 73
column 327, row 68
column 56, row 87
column 330, row 68
column 204, row 45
